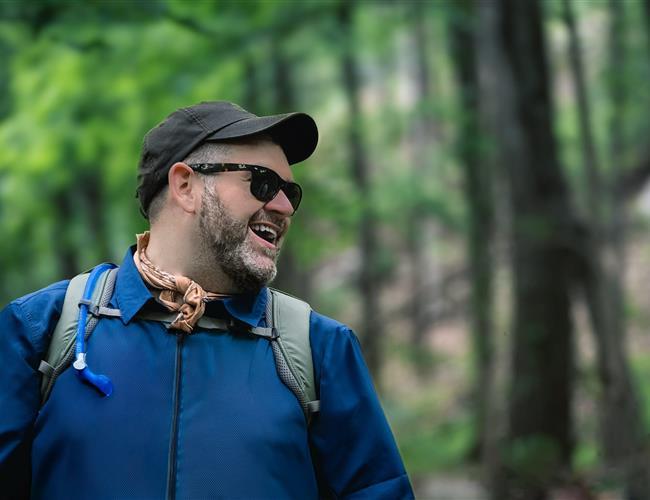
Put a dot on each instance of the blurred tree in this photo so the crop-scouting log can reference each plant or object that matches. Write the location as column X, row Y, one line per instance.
column 6, row 53
column 480, row 210
column 646, row 11
column 616, row 221
column 539, row 440
column 66, row 255
column 621, row 423
column 292, row 276
column 369, row 280
column 422, row 133
column 82, row 83
column 250, row 99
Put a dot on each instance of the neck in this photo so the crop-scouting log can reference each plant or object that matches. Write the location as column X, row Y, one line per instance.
column 175, row 255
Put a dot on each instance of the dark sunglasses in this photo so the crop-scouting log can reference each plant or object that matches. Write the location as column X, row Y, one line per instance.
column 265, row 183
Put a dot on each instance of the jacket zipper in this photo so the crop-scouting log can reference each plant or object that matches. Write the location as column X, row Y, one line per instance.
column 173, row 439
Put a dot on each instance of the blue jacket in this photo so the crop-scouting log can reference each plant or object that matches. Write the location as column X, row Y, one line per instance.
column 192, row 416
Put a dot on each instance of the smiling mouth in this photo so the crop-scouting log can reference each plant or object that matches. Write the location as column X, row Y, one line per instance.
column 265, row 231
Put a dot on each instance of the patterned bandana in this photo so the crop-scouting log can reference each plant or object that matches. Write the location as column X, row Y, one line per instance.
column 176, row 293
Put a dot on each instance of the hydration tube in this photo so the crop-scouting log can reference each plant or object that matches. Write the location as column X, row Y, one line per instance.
column 100, row 382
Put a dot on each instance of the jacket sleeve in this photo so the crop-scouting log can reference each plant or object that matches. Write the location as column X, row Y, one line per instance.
column 354, row 452
column 24, row 328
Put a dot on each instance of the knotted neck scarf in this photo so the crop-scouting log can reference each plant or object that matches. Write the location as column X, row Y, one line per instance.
column 176, row 293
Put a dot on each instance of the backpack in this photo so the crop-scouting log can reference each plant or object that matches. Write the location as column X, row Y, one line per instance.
column 87, row 298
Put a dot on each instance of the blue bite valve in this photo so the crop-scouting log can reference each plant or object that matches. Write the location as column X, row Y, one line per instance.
column 100, row 382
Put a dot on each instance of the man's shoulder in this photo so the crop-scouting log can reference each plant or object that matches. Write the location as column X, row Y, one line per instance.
column 39, row 309
column 53, row 293
column 328, row 325
column 320, row 324
column 326, row 334
column 25, row 323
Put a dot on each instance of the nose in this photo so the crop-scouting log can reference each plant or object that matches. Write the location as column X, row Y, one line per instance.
column 280, row 204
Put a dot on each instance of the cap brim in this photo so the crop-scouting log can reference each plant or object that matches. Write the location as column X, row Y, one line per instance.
column 295, row 133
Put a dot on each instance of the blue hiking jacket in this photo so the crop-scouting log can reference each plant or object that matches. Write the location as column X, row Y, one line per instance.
column 191, row 416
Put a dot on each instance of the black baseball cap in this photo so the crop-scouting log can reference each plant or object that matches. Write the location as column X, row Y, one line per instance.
column 186, row 128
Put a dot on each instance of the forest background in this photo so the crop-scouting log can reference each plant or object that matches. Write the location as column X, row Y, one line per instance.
column 477, row 207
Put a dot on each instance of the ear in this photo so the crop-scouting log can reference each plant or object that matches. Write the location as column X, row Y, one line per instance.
column 184, row 188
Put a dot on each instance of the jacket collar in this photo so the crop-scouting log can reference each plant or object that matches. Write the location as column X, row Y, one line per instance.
column 131, row 294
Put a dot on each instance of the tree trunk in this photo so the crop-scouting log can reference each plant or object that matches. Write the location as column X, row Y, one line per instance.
column 539, row 440
column 95, row 204
column 646, row 15
column 622, row 434
column 617, row 230
column 415, row 241
column 291, row 276
column 621, row 422
column 6, row 103
column 478, row 193
column 251, row 98
column 626, row 452
column 591, row 167
column 369, row 283
column 64, row 247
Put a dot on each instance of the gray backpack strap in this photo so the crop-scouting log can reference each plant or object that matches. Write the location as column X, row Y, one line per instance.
column 289, row 318
column 60, row 352
column 167, row 318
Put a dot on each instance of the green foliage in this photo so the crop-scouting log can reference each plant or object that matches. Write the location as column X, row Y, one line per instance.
column 443, row 448
column 586, row 456
column 427, row 442
column 532, row 458
column 82, row 82
column 641, row 369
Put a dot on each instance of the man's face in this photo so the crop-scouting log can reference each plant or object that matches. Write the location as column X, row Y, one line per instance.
column 240, row 234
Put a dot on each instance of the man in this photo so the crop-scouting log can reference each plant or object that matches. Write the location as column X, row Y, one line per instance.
column 196, row 413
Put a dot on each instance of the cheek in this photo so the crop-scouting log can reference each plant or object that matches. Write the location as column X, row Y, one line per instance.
column 286, row 228
column 245, row 211
column 239, row 203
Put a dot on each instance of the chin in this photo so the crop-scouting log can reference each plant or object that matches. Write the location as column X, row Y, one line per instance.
column 264, row 275
column 253, row 274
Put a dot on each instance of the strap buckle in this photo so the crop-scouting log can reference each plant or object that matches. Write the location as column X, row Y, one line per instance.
column 97, row 310
column 93, row 308
column 235, row 326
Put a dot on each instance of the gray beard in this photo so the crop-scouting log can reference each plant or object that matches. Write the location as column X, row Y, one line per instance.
column 225, row 239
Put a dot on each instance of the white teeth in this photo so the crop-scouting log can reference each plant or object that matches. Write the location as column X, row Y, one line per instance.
column 262, row 227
